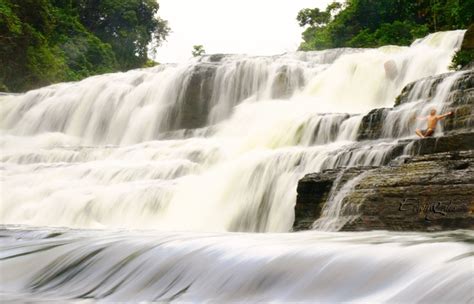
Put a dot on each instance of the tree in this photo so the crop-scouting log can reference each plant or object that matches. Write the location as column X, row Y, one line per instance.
column 131, row 27
column 312, row 17
column 372, row 23
column 26, row 55
column 198, row 50
column 315, row 17
column 47, row 41
column 316, row 36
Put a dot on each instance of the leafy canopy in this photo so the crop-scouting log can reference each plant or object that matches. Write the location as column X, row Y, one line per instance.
column 198, row 50
column 46, row 41
column 372, row 23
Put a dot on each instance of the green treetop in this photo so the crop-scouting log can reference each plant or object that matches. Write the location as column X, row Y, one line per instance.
column 47, row 41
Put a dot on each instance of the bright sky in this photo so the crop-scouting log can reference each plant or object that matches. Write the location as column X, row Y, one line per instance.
column 254, row 27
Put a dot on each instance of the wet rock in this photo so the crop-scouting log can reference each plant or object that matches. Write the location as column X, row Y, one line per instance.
column 468, row 40
column 422, row 193
column 427, row 193
column 194, row 106
column 431, row 188
column 371, row 125
column 216, row 57
column 447, row 143
column 460, row 101
column 467, row 46
column 464, row 82
column 283, row 86
column 313, row 190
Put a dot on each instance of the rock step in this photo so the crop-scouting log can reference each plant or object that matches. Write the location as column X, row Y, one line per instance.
column 460, row 101
column 464, row 82
column 433, row 190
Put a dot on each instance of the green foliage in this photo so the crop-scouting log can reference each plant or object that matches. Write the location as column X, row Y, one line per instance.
column 461, row 59
column 316, row 18
column 150, row 63
column 400, row 33
column 3, row 88
column 84, row 53
column 313, row 17
column 198, row 50
column 464, row 58
column 129, row 26
column 47, row 41
column 26, row 55
column 370, row 23
column 316, row 39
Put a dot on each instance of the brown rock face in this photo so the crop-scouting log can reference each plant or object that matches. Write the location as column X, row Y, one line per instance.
column 468, row 41
column 314, row 190
column 192, row 108
column 427, row 193
column 371, row 125
column 422, row 193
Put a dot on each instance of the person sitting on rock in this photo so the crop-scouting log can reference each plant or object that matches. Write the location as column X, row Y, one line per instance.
column 432, row 120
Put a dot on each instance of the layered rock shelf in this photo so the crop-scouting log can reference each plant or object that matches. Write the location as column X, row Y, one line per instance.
column 423, row 193
column 425, row 185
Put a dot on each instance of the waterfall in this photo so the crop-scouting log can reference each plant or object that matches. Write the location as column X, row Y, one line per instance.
column 331, row 219
column 214, row 144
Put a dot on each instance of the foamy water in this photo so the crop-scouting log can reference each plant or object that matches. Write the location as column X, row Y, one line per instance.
column 209, row 147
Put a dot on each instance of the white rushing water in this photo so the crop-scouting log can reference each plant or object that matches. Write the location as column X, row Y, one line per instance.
column 109, row 151
column 309, row 267
column 331, row 219
column 209, row 148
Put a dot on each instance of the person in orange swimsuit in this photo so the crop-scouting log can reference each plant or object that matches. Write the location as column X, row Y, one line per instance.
column 432, row 121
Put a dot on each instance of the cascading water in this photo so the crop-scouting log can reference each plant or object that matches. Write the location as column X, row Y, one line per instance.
column 404, row 117
column 241, row 175
column 331, row 219
column 217, row 144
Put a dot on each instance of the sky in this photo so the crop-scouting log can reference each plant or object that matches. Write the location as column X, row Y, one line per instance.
column 253, row 27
